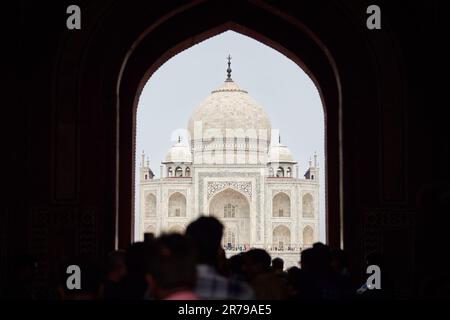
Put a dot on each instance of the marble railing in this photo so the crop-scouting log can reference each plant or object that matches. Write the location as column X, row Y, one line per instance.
column 270, row 248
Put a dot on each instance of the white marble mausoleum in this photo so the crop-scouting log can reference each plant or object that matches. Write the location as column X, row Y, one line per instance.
column 233, row 166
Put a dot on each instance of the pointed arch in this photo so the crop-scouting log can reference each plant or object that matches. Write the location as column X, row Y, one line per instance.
column 233, row 209
column 308, row 205
column 281, row 237
column 280, row 172
column 308, row 236
column 281, row 205
column 177, row 205
column 150, row 206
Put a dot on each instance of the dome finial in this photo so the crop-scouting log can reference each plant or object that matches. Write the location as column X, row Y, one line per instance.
column 229, row 69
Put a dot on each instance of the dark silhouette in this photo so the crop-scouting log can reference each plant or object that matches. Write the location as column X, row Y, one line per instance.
column 134, row 285
column 266, row 284
column 278, row 265
column 206, row 235
column 236, row 267
column 316, row 279
column 116, row 271
column 171, row 273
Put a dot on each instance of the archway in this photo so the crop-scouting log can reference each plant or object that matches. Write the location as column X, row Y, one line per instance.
column 308, row 52
column 150, row 206
column 281, row 205
column 308, row 236
column 177, row 205
column 281, row 238
column 232, row 208
column 308, row 205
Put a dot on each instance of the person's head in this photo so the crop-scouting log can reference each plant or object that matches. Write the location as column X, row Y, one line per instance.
column 256, row 262
column 235, row 264
column 316, row 259
column 206, row 235
column 79, row 279
column 172, row 268
column 135, row 285
column 277, row 264
column 116, row 266
column 135, row 258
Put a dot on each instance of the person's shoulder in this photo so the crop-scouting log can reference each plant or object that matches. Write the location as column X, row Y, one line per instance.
column 240, row 290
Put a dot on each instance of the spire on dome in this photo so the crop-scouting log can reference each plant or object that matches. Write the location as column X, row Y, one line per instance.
column 229, row 69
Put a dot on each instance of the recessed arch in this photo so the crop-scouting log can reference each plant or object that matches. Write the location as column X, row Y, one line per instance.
column 177, row 205
column 230, row 201
column 281, row 205
column 150, row 206
column 308, row 205
column 178, row 172
column 308, row 236
column 280, row 172
column 281, row 237
column 232, row 208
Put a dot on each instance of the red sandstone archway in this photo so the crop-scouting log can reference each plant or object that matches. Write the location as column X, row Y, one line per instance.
column 138, row 67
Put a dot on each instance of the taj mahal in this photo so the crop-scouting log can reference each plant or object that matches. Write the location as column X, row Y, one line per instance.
column 233, row 166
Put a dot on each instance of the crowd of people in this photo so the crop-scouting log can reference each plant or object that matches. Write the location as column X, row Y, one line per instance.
column 193, row 266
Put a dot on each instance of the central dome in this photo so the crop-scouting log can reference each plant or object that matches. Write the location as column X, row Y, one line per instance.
column 229, row 107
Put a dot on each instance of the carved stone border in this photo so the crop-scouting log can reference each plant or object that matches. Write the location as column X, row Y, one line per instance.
column 214, row 187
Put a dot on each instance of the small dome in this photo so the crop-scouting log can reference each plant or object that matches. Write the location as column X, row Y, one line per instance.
column 230, row 107
column 178, row 153
column 280, row 153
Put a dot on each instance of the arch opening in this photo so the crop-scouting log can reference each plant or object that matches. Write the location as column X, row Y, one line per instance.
column 177, row 205
column 333, row 234
column 232, row 208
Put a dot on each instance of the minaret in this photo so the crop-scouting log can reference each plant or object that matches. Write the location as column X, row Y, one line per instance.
column 313, row 171
column 145, row 171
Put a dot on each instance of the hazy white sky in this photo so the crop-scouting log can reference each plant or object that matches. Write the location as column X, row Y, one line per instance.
column 287, row 94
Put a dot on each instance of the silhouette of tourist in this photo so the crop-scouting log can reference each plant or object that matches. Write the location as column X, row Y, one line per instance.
column 134, row 284
column 277, row 265
column 317, row 280
column 265, row 283
column 206, row 235
column 236, row 267
column 171, row 272
column 116, row 271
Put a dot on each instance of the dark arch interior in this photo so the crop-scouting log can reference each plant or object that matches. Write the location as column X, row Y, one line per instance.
column 387, row 160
